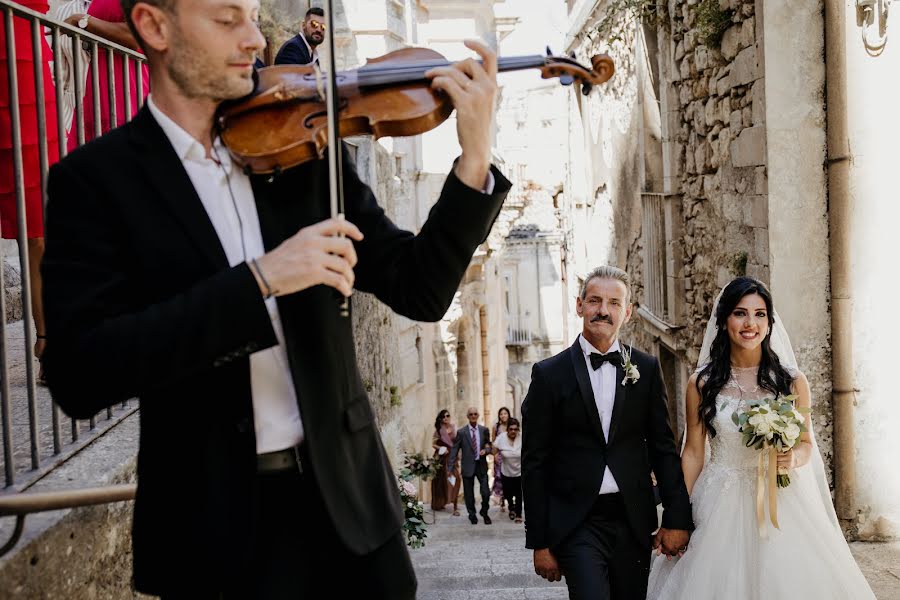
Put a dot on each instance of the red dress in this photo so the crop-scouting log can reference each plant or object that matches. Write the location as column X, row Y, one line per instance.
column 111, row 11
column 34, row 214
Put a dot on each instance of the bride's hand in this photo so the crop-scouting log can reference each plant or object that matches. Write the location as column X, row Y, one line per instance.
column 786, row 460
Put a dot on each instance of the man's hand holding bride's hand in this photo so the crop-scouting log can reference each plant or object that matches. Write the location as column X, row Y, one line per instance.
column 671, row 542
column 546, row 566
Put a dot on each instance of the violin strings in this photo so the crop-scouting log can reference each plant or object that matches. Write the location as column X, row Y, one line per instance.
column 413, row 71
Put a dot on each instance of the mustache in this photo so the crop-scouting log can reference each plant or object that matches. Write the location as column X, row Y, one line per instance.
column 604, row 318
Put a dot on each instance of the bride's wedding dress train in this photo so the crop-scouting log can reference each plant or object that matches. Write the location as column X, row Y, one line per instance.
column 807, row 558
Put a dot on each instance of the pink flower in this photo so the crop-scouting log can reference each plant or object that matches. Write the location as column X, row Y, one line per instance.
column 409, row 489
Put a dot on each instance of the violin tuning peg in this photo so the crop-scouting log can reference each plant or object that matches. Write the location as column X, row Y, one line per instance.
column 572, row 55
column 586, row 89
column 549, row 51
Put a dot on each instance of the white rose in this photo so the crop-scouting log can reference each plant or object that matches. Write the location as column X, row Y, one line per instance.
column 763, row 428
column 409, row 489
column 757, row 419
column 792, row 432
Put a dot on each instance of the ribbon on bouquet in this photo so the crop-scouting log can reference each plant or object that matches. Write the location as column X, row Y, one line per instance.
column 766, row 486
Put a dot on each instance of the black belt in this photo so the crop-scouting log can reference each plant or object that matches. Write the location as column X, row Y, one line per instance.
column 280, row 461
column 606, row 504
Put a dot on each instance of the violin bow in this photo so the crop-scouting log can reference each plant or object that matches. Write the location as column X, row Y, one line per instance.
column 332, row 104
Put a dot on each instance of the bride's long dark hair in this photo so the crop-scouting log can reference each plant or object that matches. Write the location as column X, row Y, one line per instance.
column 772, row 375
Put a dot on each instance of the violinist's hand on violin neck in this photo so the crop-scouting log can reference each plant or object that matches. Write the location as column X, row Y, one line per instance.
column 314, row 255
column 472, row 87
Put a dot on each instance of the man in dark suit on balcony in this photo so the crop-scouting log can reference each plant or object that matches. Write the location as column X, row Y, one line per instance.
column 173, row 276
column 302, row 48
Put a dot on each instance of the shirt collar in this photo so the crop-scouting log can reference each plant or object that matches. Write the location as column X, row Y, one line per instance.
column 186, row 146
column 588, row 348
column 313, row 53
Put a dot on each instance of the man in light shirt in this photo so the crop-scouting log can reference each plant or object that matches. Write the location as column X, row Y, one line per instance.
column 173, row 276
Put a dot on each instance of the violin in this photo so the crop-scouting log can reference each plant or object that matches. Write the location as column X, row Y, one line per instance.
column 284, row 122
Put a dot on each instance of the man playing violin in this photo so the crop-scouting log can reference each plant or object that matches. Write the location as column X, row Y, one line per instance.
column 302, row 49
column 174, row 277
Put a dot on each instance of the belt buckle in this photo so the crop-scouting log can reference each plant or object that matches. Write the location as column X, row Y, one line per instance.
column 296, row 450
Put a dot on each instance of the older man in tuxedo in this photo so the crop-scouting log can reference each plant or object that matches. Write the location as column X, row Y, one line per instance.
column 595, row 425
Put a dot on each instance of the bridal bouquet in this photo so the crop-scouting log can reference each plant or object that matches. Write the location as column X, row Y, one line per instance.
column 773, row 423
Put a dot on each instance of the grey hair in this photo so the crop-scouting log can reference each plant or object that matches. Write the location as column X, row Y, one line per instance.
column 606, row 272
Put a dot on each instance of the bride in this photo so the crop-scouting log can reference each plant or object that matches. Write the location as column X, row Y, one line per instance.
column 747, row 356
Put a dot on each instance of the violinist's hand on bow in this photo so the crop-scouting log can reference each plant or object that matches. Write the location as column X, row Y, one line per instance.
column 472, row 87
column 312, row 256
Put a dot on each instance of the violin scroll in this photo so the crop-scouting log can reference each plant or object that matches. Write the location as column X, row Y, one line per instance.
column 567, row 69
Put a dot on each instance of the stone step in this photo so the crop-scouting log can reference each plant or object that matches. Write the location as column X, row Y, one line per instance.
column 462, row 561
column 506, row 593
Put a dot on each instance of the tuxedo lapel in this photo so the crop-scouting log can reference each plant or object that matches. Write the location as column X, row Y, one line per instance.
column 174, row 187
column 584, row 386
column 618, row 403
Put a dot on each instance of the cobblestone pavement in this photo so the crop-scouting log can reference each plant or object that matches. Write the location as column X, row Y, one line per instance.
column 461, row 561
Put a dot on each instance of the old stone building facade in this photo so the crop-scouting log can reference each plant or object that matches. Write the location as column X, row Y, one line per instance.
column 710, row 158
column 413, row 370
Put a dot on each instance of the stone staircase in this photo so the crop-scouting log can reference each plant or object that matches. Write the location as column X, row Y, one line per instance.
column 461, row 561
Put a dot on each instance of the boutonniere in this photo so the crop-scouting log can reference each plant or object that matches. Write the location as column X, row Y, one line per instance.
column 631, row 371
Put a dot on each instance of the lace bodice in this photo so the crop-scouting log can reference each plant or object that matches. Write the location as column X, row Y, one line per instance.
column 727, row 449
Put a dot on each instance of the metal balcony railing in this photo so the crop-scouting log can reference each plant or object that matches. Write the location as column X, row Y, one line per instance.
column 654, row 241
column 517, row 334
column 34, row 436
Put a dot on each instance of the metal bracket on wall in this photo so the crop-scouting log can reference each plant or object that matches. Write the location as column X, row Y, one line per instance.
column 872, row 18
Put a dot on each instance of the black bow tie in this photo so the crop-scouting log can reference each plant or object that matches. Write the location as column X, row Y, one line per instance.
column 598, row 359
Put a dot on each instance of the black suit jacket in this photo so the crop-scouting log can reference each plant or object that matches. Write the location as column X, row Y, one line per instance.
column 468, row 465
column 141, row 302
column 293, row 52
column 564, row 452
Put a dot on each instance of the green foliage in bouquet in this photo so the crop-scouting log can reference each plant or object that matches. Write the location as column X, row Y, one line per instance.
column 772, row 422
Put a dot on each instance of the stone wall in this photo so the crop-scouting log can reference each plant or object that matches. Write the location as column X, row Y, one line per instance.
column 716, row 126
column 701, row 65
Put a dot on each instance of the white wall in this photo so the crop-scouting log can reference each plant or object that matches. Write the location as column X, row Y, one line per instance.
column 874, row 120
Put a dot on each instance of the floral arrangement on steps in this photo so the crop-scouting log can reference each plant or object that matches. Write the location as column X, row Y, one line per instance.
column 422, row 467
column 408, row 466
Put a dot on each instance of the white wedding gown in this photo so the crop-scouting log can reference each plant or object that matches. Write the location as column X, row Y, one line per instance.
column 807, row 558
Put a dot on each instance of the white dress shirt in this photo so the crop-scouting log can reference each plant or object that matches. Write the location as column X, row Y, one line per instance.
column 313, row 52
column 228, row 199
column 603, row 383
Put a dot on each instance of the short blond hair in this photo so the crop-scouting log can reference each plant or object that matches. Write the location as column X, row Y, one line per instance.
column 606, row 272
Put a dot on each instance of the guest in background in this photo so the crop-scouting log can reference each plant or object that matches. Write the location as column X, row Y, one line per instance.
column 499, row 428
column 509, row 446
column 106, row 19
column 474, row 441
column 446, row 482
column 302, row 48
column 28, row 115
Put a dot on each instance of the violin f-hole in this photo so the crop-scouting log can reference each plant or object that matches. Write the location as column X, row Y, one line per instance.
column 308, row 120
